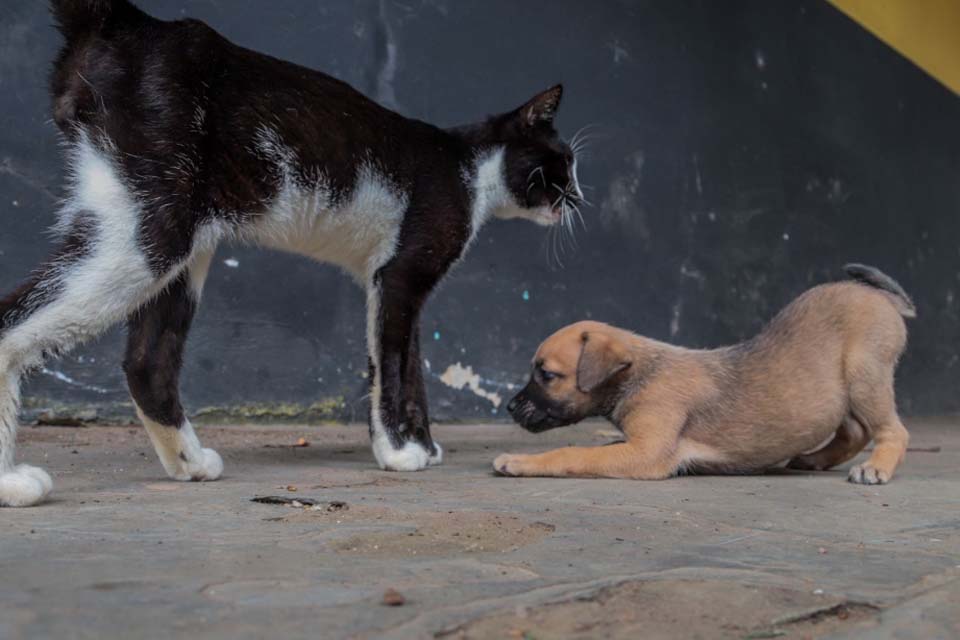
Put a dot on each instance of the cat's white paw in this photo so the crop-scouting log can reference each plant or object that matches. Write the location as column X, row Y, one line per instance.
column 436, row 458
column 412, row 457
column 24, row 486
column 210, row 468
column 207, row 469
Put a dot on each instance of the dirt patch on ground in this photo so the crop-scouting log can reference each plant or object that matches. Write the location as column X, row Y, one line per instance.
column 344, row 479
column 451, row 533
column 657, row 609
column 418, row 533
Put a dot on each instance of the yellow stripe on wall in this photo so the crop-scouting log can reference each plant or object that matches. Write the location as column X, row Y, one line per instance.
column 927, row 32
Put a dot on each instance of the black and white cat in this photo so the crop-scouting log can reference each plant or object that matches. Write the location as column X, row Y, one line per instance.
column 178, row 139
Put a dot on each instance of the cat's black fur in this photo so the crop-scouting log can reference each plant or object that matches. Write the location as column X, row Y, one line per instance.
column 206, row 138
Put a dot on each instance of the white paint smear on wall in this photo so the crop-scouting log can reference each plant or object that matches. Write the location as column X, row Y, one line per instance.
column 459, row 377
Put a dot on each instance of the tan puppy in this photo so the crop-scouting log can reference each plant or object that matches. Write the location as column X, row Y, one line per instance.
column 824, row 366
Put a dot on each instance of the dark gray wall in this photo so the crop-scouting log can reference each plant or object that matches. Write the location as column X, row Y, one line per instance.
column 743, row 151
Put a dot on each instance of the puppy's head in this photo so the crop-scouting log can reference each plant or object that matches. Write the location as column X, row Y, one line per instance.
column 576, row 374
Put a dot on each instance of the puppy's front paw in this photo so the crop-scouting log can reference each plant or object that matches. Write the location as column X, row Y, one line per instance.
column 866, row 473
column 508, row 464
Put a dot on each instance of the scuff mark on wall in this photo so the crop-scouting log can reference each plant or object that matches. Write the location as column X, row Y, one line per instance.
column 459, row 377
column 675, row 319
column 386, row 56
column 62, row 377
column 7, row 167
column 620, row 52
column 622, row 208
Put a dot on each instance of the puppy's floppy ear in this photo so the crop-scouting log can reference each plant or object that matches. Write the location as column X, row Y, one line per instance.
column 601, row 358
column 542, row 108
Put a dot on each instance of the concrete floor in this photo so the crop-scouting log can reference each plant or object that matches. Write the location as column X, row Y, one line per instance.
column 119, row 552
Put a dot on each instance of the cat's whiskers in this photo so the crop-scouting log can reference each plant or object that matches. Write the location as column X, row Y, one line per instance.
column 560, row 247
column 582, row 138
column 567, row 201
column 543, row 178
column 563, row 195
column 531, row 184
column 553, row 257
column 568, row 219
column 582, row 144
column 568, row 227
column 576, row 209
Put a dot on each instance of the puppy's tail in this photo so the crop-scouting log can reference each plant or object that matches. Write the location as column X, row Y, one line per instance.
column 78, row 18
column 873, row 277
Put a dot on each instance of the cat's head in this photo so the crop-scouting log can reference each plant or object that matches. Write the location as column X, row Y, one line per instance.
column 539, row 169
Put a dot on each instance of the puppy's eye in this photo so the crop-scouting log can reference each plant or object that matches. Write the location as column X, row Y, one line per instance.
column 548, row 375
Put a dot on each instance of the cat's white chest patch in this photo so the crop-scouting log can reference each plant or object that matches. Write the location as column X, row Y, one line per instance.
column 358, row 234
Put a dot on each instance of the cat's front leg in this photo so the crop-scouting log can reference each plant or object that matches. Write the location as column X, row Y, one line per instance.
column 415, row 408
column 399, row 427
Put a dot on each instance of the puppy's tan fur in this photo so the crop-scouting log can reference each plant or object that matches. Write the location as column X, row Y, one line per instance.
column 824, row 366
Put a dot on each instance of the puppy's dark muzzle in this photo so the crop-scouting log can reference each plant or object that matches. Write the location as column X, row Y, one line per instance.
column 531, row 416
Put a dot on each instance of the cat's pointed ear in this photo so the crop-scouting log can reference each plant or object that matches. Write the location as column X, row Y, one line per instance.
column 542, row 108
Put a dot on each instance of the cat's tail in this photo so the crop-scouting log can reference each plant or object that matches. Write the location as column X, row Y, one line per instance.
column 877, row 279
column 78, row 18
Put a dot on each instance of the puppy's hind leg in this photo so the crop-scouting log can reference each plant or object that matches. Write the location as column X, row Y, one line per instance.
column 890, row 438
column 849, row 440
column 872, row 401
column 155, row 342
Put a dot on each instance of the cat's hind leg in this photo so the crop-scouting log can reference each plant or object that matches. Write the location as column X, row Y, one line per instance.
column 95, row 280
column 155, row 343
column 24, row 485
